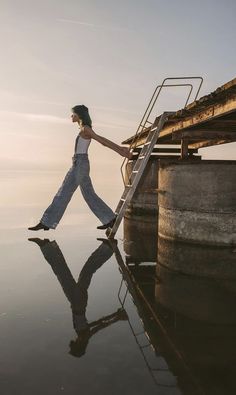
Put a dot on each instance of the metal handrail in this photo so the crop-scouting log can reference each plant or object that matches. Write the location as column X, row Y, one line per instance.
column 151, row 104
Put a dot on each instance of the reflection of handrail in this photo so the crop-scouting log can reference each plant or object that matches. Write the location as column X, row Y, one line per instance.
column 152, row 102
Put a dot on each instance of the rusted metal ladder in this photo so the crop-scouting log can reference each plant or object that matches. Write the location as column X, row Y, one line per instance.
column 136, row 174
column 144, row 155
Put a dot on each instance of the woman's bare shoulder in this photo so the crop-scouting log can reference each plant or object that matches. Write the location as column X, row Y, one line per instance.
column 87, row 132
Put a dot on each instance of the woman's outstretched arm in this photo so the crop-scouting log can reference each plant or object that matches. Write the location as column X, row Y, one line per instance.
column 123, row 151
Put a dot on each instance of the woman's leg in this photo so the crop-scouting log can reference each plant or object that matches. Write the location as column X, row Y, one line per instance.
column 95, row 203
column 56, row 260
column 55, row 211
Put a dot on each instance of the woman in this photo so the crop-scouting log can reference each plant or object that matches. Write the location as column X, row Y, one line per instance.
column 78, row 175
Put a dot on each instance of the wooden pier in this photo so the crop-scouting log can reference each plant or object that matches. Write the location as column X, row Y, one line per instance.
column 193, row 200
column 209, row 121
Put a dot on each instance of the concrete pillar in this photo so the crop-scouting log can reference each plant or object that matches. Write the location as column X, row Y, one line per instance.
column 197, row 202
column 145, row 199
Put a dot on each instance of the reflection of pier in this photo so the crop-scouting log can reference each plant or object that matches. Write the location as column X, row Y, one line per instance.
column 188, row 308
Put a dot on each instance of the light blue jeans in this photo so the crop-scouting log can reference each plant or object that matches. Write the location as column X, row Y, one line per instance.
column 78, row 175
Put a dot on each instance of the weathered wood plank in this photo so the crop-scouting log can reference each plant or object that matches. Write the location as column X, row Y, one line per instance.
column 203, row 134
column 210, row 114
column 165, row 150
column 209, row 143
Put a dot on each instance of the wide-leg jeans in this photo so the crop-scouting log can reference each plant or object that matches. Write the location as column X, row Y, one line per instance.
column 78, row 175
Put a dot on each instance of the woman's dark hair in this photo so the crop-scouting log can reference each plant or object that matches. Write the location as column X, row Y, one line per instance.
column 83, row 113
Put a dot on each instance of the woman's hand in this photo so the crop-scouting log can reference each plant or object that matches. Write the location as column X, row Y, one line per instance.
column 74, row 159
column 124, row 151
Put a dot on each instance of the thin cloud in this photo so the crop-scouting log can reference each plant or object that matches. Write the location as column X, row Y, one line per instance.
column 110, row 125
column 6, row 94
column 34, row 117
column 75, row 22
column 115, row 109
column 46, row 118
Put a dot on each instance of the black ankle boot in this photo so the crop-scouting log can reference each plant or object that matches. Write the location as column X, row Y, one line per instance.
column 109, row 225
column 39, row 226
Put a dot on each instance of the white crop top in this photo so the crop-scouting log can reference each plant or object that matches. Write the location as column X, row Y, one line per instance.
column 82, row 145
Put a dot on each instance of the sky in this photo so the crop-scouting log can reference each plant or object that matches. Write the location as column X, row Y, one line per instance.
column 108, row 55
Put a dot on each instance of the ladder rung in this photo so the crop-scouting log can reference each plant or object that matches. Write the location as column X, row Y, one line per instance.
column 120, row 205
column 141, row 157
column 135, row 171
column 145, row 147
column 124, row 196
column 147, row 142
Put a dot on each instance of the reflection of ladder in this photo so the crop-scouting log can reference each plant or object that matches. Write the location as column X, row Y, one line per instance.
column 161, row 374
column 158, row 367
column 154, row 131
column 137, row 172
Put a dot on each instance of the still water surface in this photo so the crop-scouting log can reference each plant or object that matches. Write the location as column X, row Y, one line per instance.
column 74, row 320
column 45, row 286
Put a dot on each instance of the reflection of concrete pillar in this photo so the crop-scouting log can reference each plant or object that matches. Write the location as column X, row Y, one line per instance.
column 199, row 316
column 197, row 298
column 140, row 238
column 198, row 260
column 198, row 203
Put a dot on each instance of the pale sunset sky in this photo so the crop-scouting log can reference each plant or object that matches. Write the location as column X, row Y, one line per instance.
column 108, row 55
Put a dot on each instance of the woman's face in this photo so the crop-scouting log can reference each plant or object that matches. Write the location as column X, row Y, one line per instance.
column 75, row 117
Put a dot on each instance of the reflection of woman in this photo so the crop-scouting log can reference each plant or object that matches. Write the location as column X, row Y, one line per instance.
column 78, row 175
column 77, row 293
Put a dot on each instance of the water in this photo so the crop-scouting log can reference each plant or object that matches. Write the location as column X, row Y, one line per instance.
column 80, row 315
